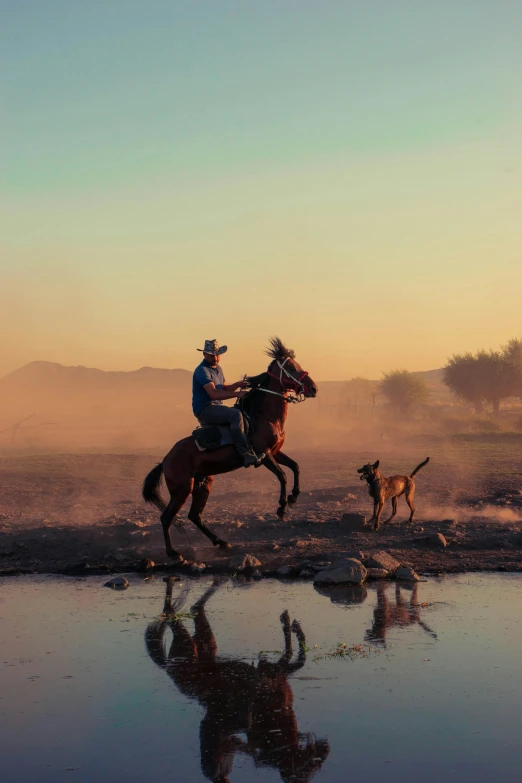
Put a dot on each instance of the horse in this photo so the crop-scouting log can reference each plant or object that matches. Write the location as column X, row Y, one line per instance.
column 238, row 697
column 188, row 470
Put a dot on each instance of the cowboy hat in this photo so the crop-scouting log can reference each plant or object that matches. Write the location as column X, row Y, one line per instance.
column 212, row 346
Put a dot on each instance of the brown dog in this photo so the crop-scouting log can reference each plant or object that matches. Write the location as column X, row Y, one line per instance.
column 382, row 489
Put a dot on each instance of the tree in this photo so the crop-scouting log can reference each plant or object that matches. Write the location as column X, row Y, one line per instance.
column 403, row 389
column 359, row 390
column 487, row 377
column 512, row 355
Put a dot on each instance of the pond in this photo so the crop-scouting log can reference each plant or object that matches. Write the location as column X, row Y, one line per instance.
column 263, row 681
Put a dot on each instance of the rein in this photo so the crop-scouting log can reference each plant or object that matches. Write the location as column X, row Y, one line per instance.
column 288, row 384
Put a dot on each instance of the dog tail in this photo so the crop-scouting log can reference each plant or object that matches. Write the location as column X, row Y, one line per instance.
column 419, row 467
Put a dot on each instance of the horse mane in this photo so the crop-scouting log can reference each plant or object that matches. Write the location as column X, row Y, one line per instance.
column 252, row 401
column 278, row 350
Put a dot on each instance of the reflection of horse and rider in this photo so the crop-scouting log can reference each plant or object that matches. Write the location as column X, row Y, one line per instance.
column 255, row 700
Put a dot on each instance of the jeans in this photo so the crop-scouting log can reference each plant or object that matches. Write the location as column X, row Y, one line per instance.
column 222, row 415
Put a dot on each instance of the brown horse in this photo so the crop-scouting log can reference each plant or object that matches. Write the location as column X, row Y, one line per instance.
column 188, row 470
column 238, row 697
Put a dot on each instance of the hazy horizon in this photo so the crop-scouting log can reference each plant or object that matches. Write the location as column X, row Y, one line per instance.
column 345, row 176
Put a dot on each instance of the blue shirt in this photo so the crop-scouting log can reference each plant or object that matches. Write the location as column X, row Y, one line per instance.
column 204, row 374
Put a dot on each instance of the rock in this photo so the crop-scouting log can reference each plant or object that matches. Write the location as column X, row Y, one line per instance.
column 275, row 547
column 197, row 568
column 382, row 560
column 347, row 594
column 377, row 573
column 407, row 574
column 438, row 540
column 352, row 522
column 300, row 544
column 243, row 562
column 433, row 539
column 118, row 583
column 146, row 564
column 351, row 572
column 284, row 571
column 322, row 565
column 306, row 573
column 257, row 574
column 354, row 554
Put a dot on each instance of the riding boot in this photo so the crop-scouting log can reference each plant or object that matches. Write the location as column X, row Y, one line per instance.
column 253, row 459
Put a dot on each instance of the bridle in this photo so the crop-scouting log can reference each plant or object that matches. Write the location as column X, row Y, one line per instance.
column 288, row 383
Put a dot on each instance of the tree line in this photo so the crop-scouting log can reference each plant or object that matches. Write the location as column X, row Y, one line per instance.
column 485, row 378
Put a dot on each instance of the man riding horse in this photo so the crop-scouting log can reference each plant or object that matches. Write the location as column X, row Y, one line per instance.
column 189, row 469
column 208, row 392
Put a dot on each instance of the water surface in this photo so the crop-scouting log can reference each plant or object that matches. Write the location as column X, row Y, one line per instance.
column 217, row 682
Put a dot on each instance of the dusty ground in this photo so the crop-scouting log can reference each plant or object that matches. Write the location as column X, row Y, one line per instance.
column 78, row 513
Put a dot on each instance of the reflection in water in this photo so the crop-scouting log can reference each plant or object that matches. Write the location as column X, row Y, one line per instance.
column 239, row 698
column 399, row 614
column 343, row 594
column 386, row 614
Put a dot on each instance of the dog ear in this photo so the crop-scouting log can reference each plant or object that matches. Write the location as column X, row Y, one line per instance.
column 375, row 465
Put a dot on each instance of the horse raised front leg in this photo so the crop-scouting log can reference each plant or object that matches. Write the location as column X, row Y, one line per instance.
column 284, row 662
column 270, row 463
column 288, row 462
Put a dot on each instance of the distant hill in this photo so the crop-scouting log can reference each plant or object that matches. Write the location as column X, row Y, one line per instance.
column 87, row 406
column 50, row 376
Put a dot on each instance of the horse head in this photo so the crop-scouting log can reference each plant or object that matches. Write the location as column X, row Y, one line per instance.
column 287, row 370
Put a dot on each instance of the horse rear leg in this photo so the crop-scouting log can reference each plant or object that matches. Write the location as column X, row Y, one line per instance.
column 200, row 493
column 178, row 495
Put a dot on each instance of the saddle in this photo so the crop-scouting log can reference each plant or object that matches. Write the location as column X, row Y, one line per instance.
column 212, row 436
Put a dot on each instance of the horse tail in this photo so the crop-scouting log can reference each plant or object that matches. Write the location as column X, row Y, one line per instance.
column 419, row 467
column 150, row 488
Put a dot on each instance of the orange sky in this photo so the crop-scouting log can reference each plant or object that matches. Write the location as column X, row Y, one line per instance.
column 357, row 194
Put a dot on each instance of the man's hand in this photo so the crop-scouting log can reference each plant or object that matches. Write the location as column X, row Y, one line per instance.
column 236, row 385
column 241, row 394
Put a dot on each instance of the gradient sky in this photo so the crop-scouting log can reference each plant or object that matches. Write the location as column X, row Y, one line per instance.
column 347, row 175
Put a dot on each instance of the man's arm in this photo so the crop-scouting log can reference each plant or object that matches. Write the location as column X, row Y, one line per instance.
column 221, row 394
column 235, row 386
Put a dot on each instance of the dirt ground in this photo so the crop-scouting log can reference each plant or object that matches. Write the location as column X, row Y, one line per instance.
column 82, row 513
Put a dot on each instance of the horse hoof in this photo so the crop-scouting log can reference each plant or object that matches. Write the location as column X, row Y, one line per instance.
column 281, row 512
column 292, row 500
